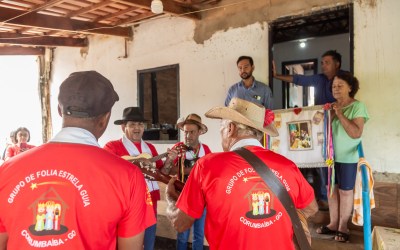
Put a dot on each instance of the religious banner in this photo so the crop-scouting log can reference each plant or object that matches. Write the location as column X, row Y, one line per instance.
column 301, row 135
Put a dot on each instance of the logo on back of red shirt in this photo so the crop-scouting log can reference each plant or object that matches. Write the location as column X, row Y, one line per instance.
column 49, row 210
column 261, row 211
column 49, row 217
column 261, row 202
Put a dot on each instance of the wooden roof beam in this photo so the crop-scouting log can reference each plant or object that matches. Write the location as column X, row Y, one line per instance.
column 18, row 50
column 35, row 20
column 88, row 8
column 116, row 14
column 169, row 7
column 137, row 18
column 46, row 41
column 46, row 5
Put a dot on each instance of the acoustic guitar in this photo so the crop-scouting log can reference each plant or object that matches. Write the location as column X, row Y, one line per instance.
column 150, row 172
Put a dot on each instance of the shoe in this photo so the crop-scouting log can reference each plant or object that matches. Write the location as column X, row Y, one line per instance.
column 323, row 205
column 325, row 230
column 342, row 237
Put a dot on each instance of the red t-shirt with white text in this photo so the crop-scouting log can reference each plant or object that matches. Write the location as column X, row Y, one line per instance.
column 66, row 196
column 242, row 212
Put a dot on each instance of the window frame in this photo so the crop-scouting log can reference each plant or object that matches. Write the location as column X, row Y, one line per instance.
column 140, row 94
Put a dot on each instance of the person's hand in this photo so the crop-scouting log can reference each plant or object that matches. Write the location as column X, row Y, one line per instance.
column 171, row 193
column 337, row 109
column 172, row 154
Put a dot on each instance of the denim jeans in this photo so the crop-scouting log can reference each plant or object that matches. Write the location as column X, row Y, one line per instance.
column 198, row 235
column 322, row 193
column 150, row 237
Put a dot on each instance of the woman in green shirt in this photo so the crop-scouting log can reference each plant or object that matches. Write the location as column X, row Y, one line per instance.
column 348, row 119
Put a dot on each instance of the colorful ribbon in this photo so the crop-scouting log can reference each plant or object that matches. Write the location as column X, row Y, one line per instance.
column 328, row 148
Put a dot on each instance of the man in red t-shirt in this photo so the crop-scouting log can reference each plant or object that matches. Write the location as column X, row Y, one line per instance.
column 63, row 194
column 131, row 144
column 192, row 128
column 242, row 211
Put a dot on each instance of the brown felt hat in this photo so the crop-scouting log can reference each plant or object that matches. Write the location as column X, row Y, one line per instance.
column 192, row 119
column 86, row 94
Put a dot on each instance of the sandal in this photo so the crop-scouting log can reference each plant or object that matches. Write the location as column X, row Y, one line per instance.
column 325, row 230
column 342, row 237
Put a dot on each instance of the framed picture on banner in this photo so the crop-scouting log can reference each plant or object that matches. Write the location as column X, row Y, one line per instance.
column 301, row 135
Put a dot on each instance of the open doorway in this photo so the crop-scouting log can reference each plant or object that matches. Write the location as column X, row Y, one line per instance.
column 19, row 97
column 298, row 96
column 299, row 38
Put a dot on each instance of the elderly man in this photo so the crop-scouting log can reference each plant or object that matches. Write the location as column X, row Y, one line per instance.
column 249, row 88
column 192, row 128
column 242, row 211
column 131, row 143
column 59, row 195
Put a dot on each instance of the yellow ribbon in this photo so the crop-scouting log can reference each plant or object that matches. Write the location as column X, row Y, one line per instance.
column 329, row 162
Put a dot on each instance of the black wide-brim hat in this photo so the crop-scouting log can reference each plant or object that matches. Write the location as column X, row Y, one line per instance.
column 133, row 114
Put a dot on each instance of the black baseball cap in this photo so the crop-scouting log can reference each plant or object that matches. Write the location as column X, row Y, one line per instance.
column 86, row 94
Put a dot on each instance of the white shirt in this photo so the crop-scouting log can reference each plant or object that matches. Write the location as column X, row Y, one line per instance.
column 75, row 135
column 246, row 142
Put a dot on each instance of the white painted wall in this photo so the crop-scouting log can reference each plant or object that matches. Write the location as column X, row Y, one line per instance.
column 207, row 70
column 376, row 64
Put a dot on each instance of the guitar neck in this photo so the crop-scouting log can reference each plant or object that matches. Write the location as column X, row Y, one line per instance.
column 180, row 148
column 153, row 174
column 158, row 157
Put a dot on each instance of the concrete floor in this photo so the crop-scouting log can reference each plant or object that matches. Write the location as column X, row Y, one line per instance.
column 327, row 242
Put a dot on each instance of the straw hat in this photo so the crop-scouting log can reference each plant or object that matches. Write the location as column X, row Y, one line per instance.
column 192, row 119
column 247, row 113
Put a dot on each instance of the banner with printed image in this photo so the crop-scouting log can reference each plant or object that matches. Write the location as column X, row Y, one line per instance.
column 301, row 136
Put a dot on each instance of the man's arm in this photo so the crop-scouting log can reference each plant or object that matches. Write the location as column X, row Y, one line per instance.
column 304, row 214
column 310, row 210
column 3, row 241
column 285, row 78
column 169, row 162
column 135, row 242
column 179, row 219
column 182, row 222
